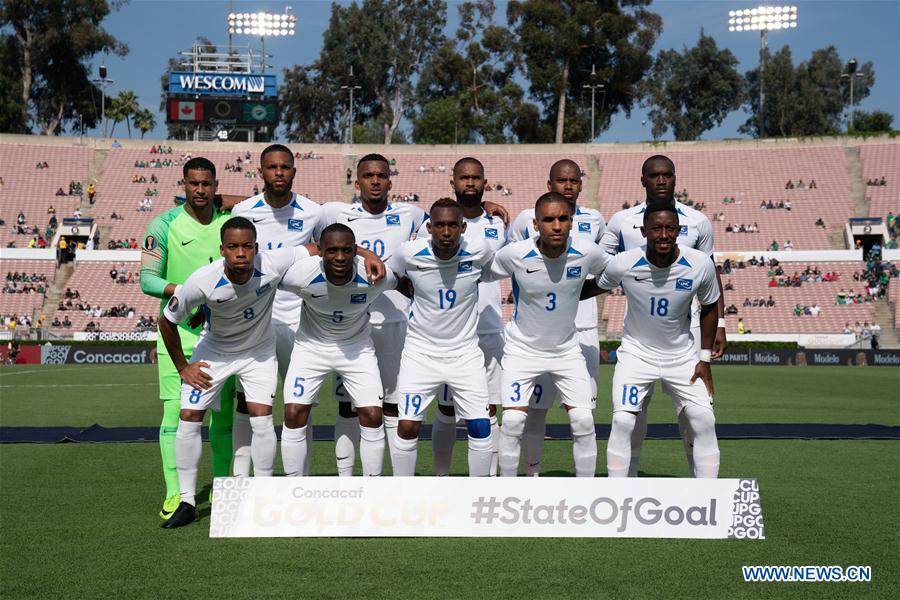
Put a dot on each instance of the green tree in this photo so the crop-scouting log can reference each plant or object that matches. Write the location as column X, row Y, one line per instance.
column 692, row 91
column 385, row 44
column 56, row 39
column 560, row 40
column 129, row 106
column 115, row 112
column 808, row 99
column 144, row 121
column 872, row 122
column 11, row 114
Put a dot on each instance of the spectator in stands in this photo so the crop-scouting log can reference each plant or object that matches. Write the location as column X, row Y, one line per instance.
column 116, row 144
column 770, row 303
column 60, row 192
column 798, row 310
column 56, row 322
column 740, row 327
column 91, row 326
column 729, row 228
column 774, row 246
column 787, row 205
column 773, row 282
column 91, row 192
column 820, row 223
column 812, row 184
column 881, row 181
column 113, row 274
column 20, row 218
column 789, row 185
column 731, row 310
column 66, row 322
column 728, row 286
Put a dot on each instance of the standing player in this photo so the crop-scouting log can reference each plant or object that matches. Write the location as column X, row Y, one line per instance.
column 660, row 283
column 468, row 185
column 283, row 219
column 334, row 336
column 176, row 244
column 587, row 224
column 548, row 272
column 442, row 344
column 380, row 227
column 695, row 231
column 236, row 295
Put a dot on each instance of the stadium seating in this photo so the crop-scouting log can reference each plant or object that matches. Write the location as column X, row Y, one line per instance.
column 93, row 282
column 33, row 190
column 882, row 160
column 25, row 304
column 749, row 176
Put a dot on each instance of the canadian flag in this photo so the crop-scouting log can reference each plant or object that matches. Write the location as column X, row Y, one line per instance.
column 185, row 110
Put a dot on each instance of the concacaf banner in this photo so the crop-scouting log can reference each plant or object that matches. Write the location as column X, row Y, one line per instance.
column 486, row 507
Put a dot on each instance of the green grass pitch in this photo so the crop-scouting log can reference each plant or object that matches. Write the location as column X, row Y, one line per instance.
column 78, row 520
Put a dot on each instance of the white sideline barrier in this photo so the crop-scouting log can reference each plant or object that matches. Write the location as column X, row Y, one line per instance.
column 485, row 507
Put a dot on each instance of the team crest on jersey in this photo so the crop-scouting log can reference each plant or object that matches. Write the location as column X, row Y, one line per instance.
column 392, row 219
column 684, row 284
column 262, row 290
column 357, row 298
column 465, row 267
column 295, row 224
column 150, row 243
column 491, row 233
column 573, row 272
column 584, row 227
column 683, row 230
column 173, row 303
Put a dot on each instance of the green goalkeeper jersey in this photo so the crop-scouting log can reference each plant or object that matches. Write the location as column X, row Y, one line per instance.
column 175, row 245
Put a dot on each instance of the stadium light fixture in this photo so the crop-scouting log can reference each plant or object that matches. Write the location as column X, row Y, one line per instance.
column 851, row 75
column 762, row 19
column 262, row 24
column 102, row 81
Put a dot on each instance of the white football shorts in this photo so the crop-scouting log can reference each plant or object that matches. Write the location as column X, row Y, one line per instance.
column 567, row 373
column 423, row 377
column 355, row 363
column 635, row 375
column 256, row 371
column 545, row 392
column 388, row 339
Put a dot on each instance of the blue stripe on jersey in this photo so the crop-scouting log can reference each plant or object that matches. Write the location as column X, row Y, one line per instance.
column 621, row 242
column 208, row 314
column 295, row 205
column 464, row 253
column 683, row 261
column 257, row 273
column 531, row 254
column 527, row 233
column 320, row 278
column 412, row 229
column 515, row 291
column 678, row 210
column 572, row 250
column 259, row 203
column 641, row 261
column 222, row 281
column 360, row 279
column 423, row 252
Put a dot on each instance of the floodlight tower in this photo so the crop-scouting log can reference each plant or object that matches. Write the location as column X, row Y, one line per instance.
column 102, row 81
column 263, row 24
column 762, row 19
column 593, row 86
column 851, row 75
column 351, row 87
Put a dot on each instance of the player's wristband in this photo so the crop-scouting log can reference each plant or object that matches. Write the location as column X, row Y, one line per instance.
column 721, row 323
column 706, row 356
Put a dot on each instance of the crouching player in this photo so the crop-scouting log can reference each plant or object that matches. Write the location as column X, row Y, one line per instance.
column 660, row 284
column 442, row 342
column 334, row 336
column 236, row 294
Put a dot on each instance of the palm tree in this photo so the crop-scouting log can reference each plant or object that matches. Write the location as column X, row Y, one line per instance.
column 128, row 104
column 143, row 120
column 114, row 113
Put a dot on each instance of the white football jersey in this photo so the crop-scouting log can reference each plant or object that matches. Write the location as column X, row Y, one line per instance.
column 623, row 232
column 658, row 317
column 295, row 224
column 444, row 316
column 238, row 317
column 382, row 234
column 546, row 292
column 334, row 313
column 588, row 224
column 492, row 232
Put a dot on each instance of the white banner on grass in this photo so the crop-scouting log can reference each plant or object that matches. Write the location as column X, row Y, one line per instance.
column 485, row 507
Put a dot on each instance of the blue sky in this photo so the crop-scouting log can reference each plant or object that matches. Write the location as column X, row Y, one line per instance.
column 156, row 30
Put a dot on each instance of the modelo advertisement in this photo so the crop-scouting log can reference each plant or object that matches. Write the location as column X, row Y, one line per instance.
column 799, row 357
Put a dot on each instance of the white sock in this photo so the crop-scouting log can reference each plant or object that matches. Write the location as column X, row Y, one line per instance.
column 309, row 444
column 706, row 447
column 188, row 447
column 293, row 450
column 618, row 448
column 495, row 445
column 346, row 440
column 510, row 441
column 584, row 441
column 263, row 446
column 480, row 456
column 443, row 437
column 687, row 437
column 390, row 434
column 533, row 440
column 638, row 434
column 241, row 434
column 404, row 455
column 371, row 450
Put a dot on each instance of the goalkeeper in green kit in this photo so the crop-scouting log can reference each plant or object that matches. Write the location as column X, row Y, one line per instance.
column 176, row 244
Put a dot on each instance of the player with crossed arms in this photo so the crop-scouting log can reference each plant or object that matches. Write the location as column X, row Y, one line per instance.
column 660, row 284
column 548, row 273
column 334, row 336
column 442, row 343
column 236, row 294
